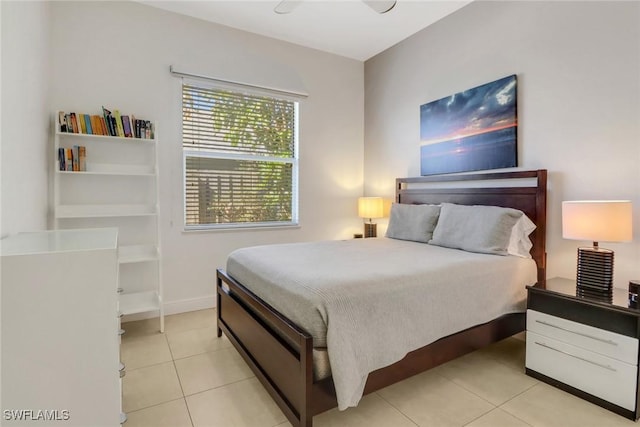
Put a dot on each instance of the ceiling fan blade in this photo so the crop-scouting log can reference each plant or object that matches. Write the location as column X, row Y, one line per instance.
column 286, row 6
column 380, row 6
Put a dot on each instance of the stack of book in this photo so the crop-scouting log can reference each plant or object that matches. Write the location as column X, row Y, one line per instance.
column 109, row 124
column 72, row 159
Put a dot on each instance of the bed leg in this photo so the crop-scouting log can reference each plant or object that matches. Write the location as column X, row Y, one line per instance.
column 218, row 301
column 306, row 383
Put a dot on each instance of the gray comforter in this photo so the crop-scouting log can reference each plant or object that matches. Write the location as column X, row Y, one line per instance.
column 371, row 301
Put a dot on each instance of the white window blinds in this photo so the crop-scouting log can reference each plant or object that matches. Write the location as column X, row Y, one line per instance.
column 240, row 158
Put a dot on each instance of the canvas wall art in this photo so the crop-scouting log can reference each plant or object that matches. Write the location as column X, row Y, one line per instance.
column 471, row 130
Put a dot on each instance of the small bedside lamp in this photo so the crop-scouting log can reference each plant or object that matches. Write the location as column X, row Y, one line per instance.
column 370, row 207
column 598, row 221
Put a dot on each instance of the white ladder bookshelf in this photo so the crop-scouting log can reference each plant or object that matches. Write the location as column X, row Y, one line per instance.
column 118, row 189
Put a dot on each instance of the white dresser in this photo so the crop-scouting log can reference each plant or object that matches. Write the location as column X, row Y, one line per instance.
column 60, row 343
column 584, row 346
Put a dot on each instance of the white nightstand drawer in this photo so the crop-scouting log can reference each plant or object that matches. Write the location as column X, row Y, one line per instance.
column 593, row 339
column 601, row 376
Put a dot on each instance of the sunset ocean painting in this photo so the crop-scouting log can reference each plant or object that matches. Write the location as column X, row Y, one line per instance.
column 471, row 130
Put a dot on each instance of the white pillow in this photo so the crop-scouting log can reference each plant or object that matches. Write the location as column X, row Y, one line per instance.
column 482, row 229
column 519, row 243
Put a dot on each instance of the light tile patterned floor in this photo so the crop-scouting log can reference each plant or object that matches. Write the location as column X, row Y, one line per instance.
column 189, row 377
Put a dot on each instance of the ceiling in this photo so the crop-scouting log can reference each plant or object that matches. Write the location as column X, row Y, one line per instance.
column 343, row 27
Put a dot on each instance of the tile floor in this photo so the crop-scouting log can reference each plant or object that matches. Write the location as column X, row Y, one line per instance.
column 188, row 377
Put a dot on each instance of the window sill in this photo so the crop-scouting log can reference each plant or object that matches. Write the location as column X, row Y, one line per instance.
column 240, row 228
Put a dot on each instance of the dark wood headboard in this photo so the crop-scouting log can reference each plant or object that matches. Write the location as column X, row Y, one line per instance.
column 530, row 198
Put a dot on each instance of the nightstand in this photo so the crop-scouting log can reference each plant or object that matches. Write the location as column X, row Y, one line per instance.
column 585, row 347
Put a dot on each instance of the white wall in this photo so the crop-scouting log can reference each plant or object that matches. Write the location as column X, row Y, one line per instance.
column 118, row 54
column 25, row 116
column 578, row 67
column 24, row 123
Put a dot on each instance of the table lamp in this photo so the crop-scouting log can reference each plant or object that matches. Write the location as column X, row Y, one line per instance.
column 597, row 221
column 370, row 207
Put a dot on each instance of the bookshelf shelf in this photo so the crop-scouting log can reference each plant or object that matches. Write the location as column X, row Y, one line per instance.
column 103, row 211
column 137, row 253
column 90, row 137
column 113, row 169
column 115, row 185
column 139, row 302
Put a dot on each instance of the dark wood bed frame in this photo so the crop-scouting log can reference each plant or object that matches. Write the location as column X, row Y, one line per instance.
column 280, row 353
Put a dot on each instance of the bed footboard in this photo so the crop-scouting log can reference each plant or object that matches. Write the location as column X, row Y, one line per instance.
column 277, row 351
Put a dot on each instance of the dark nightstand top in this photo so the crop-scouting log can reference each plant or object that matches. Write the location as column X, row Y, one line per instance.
column 567, row 288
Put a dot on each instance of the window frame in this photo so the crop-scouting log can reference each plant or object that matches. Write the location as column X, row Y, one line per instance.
column 220, row 154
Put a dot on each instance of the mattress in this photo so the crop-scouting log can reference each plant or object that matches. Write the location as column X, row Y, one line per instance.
column 371, row 301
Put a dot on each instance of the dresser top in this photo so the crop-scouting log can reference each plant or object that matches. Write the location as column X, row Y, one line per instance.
column 567, row 288
column 42, row 242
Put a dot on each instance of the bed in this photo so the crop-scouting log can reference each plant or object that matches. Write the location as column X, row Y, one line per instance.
column 280, row 351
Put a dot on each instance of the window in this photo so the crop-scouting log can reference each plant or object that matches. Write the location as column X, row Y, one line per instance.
column 240, row 158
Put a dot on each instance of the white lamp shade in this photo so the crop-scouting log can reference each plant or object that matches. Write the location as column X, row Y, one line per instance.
column 597, row 220
column 370, row 207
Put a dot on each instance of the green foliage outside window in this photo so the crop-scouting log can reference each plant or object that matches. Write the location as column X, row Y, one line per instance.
column 239, row 157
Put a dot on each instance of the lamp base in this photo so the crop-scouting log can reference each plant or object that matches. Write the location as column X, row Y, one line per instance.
column 594, row 277
column 370, row 229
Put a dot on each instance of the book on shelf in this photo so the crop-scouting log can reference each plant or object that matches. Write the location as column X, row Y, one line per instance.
column 106, row 115
column 83, row 125
column 69, row 160
column 95, row 125
column 82, row 158
column 87, row 121
column 119, row 127
column 114, row 126
column 76, row 158
column 126, row 126
column 92, row 121
column 103, row 125
column 62, row 121
column 136, row 127
column 74, row 122
column 61, row 160
column 100, row 124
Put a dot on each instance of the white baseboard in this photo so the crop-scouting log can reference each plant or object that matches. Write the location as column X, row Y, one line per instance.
column 175, row 307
